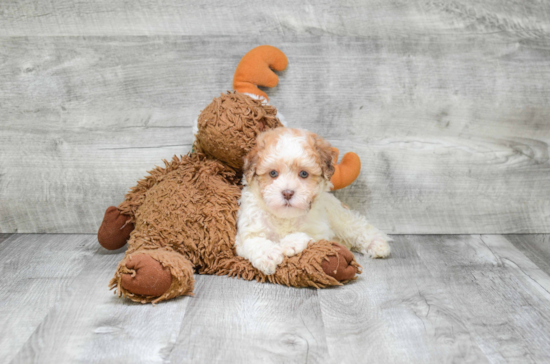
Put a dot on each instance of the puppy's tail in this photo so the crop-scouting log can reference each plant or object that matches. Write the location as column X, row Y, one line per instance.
column 347, row 171
column 255, row 69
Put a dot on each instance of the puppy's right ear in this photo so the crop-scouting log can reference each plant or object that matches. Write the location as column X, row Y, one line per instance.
column 326, row 156
column 250, row 162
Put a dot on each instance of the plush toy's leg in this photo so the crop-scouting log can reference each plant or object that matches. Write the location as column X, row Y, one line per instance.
column 114, row 230
column 153, row 275
column 343, row 267
column 322, row 264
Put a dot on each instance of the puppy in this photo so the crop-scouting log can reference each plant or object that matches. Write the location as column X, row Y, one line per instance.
column 286, row 204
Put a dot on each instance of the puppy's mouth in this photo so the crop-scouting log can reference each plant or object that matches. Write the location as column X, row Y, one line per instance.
column 289, row 205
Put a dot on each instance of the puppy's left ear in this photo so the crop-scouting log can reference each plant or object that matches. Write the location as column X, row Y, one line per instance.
column 250, row 162
column 326, row 156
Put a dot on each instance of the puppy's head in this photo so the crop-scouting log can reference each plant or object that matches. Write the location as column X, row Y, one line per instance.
column 288, row 169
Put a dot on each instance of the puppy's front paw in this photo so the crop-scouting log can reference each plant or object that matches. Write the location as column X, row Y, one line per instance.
column 295, row 243
column 268, row 261
column 378, row 248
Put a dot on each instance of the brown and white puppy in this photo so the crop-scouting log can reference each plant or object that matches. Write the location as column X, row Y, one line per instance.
column 286, row 203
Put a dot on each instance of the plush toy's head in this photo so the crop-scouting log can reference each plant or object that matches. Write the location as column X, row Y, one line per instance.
column 228, row 127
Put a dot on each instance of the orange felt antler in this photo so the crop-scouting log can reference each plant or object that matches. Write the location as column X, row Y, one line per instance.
column 347, row 171
column 254, row 69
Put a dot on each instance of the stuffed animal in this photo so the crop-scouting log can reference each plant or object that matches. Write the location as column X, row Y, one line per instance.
column 181, row 219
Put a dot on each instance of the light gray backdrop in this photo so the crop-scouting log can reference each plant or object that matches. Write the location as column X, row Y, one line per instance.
column 446, row 102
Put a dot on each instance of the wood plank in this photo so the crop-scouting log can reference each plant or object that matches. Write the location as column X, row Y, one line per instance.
column 235, row 321
column 90, row 324
column 35, row 273
column 534, row 246
column 451, row 129
column 501, row 296
column 396, row 312
column 343, row 18
column 4, row 237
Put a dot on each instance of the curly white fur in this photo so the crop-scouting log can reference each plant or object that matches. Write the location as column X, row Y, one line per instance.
column 271, row 226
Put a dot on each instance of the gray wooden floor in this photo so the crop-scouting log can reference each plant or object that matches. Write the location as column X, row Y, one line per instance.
column 439, row 298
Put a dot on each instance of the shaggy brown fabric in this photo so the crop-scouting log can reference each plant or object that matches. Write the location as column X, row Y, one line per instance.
column 185, row 214
column 229, row 125
column 302, row 270
column 114, row 230
column 192, row 211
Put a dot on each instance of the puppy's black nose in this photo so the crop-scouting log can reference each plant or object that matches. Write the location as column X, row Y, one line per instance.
column 287, row 194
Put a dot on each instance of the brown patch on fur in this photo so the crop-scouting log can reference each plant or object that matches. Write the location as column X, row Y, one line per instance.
column 264, row 181
column 325, row 154
column 250, row 163
column 252, row 159
column 228, row 127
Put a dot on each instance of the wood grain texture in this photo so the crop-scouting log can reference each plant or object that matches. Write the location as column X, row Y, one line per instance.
column 446, row 103
column 443, row 299
column 500, row 294
column 437, row 299
column 90, row 324
column 36, row 271
column 535, row 246
column 397, row 312
column 269, row 323
column 345, row 18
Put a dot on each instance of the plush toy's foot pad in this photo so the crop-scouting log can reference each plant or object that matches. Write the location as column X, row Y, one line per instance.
column 114, row 230
column 340, row 267
column 149, row 278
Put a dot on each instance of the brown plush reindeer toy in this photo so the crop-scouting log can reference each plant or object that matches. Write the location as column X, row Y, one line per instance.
column 181, row 219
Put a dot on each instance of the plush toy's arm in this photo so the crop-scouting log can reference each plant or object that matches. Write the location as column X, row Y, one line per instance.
column 254, row 70
column 347, row 171
column 322, row 264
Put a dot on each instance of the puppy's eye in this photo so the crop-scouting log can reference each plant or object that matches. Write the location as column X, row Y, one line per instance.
column 274, row 174
column 303, row 174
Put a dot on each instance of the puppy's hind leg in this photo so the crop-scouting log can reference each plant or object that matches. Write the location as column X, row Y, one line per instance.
column 354, row 230
column 377, row 248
